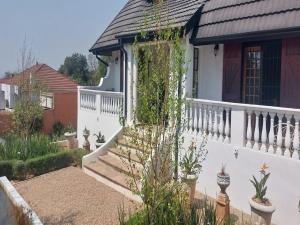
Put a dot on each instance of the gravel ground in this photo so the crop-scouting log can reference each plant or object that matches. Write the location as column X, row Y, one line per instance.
column 69, row 196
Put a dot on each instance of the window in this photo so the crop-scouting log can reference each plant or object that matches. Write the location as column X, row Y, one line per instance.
column 195, row 73
column 261, row 80
column 47, row 101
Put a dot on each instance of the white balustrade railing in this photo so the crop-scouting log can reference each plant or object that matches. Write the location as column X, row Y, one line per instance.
column 210, row 118
column 273, row 130
column 87, row 100
column 111, row 103
column 103, row 102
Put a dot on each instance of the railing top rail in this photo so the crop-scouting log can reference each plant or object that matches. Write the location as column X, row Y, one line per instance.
column 110, row 93
column 247, row 107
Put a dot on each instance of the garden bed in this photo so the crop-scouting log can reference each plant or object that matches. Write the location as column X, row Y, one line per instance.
column 21, row 159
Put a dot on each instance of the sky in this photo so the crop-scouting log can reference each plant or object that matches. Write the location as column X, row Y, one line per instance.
column 53, row 29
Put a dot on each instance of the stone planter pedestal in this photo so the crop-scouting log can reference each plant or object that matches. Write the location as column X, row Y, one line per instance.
column 223, row 201
column 261, row 214
column 70, row 137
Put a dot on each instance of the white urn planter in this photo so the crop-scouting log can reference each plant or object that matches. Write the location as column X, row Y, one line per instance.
column 70, row 137
column 261, row 214
column 191, row 181
column 98, row 144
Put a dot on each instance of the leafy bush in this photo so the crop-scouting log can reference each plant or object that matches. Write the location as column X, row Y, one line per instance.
column 20, row 149
column 20, row 170
column 7, row 169
column 48, row 163
column 77, row 155
column 58, row 129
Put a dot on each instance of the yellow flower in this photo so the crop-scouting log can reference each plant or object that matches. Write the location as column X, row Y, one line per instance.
column 264, row 168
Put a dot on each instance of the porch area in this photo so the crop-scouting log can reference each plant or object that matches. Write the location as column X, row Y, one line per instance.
column 98, row 111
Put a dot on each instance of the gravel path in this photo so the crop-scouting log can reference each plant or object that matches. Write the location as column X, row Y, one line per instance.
column 69, row 196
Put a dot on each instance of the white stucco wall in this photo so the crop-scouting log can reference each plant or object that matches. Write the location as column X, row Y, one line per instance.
column 10, row 93
column 210, row 73
column 112, row 81
column 283, row 185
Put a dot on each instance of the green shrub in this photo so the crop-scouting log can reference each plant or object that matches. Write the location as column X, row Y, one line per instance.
column 20, row 149
column 58, row 129
column 7, row 169
column 48, row 163
column 20, row 170
column 77, row 155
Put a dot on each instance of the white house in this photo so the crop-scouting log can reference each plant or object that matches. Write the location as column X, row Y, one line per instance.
column 242, row 86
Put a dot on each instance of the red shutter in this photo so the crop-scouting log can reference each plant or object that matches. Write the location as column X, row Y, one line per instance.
column 290, row 73
column 232, row 72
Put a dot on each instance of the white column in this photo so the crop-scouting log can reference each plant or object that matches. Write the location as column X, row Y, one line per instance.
column 216, row 124
column 288, row 142
column 200, row 118
column 195, row 118
column 190, row 119
column 279, row 136
column 264, row 133
column 271, row 134
column 256, row 132
column 227, row 127
column 210, row 125
column 249, row 130
column 204, row 120
column 221, row 124
column 296, row 142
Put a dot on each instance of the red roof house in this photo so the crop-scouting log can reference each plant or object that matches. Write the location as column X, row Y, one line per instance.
column 59, row 99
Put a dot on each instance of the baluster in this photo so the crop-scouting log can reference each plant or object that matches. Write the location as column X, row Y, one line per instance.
column 227, row 127
column 190, row 117
column 264, row 133
column 216, row 125
column 210, row 125
column 221, row 124
column 279, row 139
column 287, row 142
column 200, row 119
column 195, row 119
column 296, row 142
column 204, row 120
column 271, row 134
column 249, row 130
column 256, row 131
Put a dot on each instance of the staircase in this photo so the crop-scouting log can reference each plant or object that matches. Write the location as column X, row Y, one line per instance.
column 119, row 164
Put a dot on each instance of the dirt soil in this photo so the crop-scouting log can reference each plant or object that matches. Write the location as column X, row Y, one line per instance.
column 70, row 197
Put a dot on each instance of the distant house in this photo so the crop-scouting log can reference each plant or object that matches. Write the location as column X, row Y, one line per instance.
column 59, row 98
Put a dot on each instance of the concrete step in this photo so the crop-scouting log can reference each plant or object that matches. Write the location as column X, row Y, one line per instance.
column 109, row 173
column 124, row 144
column 119, row 165
column 125, row 154
column 128, row 135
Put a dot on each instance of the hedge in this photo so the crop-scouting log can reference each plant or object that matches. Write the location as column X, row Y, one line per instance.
column 7, row 169
column 48, row 163
column 37, row 166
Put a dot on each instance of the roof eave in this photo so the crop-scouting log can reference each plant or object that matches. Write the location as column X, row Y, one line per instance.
column 249, row 36
column 106, row 50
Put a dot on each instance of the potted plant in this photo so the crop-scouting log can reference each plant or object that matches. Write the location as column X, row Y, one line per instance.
column 261, row 207
column 100, row 140
column 223, row 179
column 191, row 166
column 70, row 135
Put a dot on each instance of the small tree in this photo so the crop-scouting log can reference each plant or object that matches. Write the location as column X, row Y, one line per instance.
column 28, row 112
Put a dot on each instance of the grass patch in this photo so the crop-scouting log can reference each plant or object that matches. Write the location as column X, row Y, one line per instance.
column 16, row 148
